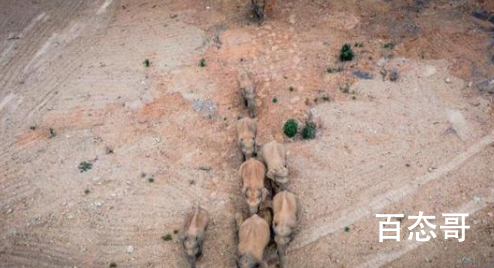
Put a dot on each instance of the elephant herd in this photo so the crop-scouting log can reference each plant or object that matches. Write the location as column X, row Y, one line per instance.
column 273, row 210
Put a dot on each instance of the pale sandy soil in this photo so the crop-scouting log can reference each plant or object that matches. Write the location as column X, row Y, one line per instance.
column 423, row 143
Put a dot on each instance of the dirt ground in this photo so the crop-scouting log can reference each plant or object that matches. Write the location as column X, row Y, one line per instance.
column 74, row 89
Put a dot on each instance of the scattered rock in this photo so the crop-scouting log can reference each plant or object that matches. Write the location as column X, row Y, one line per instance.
column 481, row 14
column 486, row 85
column 447, row 80
column 130, row 249
column 431, row 169
column 322, row 97
column 205, row 168
column 209, row 108
column 9, row 211
column 362, row 74
column 394, row 75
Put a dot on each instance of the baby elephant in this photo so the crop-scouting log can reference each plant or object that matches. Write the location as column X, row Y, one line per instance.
column 286, row 209
column 248, row 91
column 274, row 155
column 252, row 173
column 193, row 234
column 253, row 236
column 246, row 137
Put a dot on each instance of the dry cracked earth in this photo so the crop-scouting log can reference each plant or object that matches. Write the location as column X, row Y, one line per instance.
column 102, row 156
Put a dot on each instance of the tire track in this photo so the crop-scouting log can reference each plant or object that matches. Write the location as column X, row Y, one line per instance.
column 366, row 208
column 6, row 52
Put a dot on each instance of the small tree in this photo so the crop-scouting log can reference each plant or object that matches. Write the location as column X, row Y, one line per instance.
column 290, row 128
column 346, row 53
column 309, row 131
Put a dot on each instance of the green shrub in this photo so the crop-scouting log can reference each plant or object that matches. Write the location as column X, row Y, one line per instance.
column 85, row 166
column 275, row 100
column 334, row 70
column 147, row 63
column 309, row 131
column 202, row 63
column 290, row 128
column 389, row 45
column 346, row 53
column 167, row 237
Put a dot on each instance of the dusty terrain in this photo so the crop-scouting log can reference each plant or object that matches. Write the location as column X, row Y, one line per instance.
column 73, row 89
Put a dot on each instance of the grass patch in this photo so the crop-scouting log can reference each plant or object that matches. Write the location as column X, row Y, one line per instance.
column 290, row 128
column 202, row 63
column 309, row 131
column 345, row 89
column 167, row 237
column 52, row 133
column 85, row 166
column 109, row 150
column 389, row 45
column 275, row 100
column 346, row 53
column 334, row 70
column 147, row 63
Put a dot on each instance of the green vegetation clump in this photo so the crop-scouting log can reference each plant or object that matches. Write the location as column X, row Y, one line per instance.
column 309, row 131
column 347, row 229
column 345, row 89
column 167, row 237
column 275, row 100
column 389, row 45
column 290, row 128
column 175, row 231
column 87, row 191
column 113, row 265
column 334, row 70
column 151, row 180
column 291, row 88
column 202, row 63
column 346, row 53
column 52, row 133
column 147, row 63
column 85, row 166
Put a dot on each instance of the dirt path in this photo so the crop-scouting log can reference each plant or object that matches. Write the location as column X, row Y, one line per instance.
column 74, row 90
